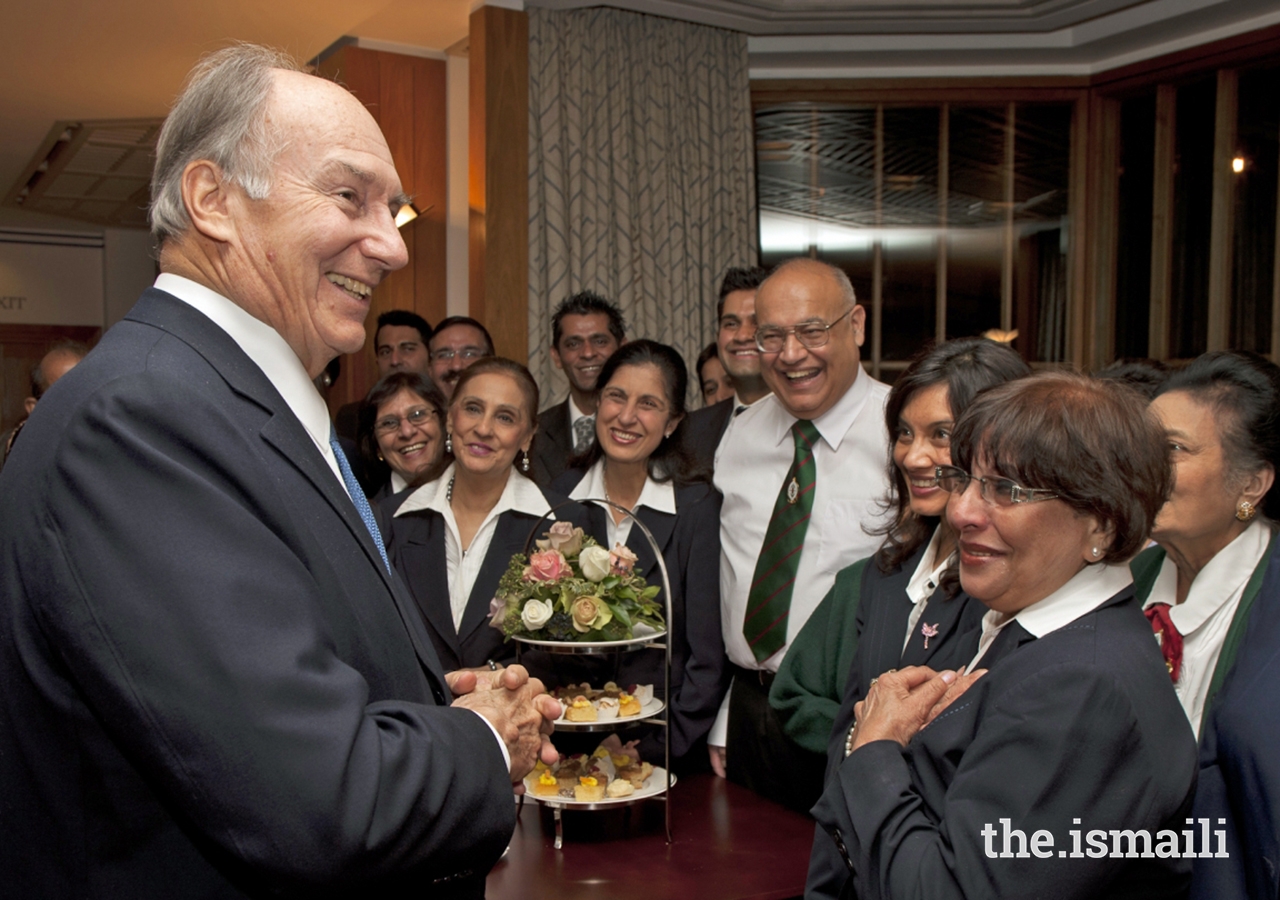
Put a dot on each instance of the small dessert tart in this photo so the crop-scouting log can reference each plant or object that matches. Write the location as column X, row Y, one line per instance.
column 581, row 710
column 588, row 789
column 620, row 788
column 643, row 693
column 547, row 785
column 628, row 705
column 607, row 708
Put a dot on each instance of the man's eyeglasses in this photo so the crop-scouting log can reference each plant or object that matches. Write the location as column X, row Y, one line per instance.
column 812, row 335
column 467, row 353
column 416, row 417
column 997, row 491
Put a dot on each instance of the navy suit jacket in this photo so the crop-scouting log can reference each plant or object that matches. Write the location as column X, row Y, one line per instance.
column 1079, row 724
column 552, row 445
column 690, row 543
column 1239, row 762
column 703, row 430
column 210, row 684
column 415, row 545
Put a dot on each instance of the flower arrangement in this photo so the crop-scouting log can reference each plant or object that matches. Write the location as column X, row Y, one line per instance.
column 572, row 589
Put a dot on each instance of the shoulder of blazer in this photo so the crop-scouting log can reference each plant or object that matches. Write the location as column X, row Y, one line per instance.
column 553, row 424
column 1146, row 568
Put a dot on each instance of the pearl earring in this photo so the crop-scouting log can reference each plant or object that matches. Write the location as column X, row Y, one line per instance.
column 448, row 443
column 1096, row 552
column 524, row 463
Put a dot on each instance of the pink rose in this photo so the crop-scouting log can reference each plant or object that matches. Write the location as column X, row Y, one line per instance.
column 621, row 560
column 497, row 612
column 547, row 565
column 564, row 537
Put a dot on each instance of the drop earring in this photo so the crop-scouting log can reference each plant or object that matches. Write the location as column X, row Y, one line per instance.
column 448, row 443
column 524, row 463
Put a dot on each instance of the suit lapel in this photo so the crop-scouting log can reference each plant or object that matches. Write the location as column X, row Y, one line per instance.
column 662, row 526
column 509, row 536
column 286, row 434
column 420, row 557
column 938, row 625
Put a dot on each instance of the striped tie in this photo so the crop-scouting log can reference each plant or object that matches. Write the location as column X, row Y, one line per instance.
column 769, row 601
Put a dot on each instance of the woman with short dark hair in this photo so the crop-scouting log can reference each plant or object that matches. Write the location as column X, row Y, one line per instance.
column 401, row 432
column 1065, row 724
column 1221, row 417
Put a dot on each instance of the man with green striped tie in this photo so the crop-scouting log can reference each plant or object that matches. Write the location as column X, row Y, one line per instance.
column 801, row 473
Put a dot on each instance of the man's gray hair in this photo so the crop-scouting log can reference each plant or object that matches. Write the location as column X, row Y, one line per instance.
column 219, row 116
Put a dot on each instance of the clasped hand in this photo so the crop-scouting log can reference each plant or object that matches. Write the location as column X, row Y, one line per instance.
column 900, row 703
column 518, row 706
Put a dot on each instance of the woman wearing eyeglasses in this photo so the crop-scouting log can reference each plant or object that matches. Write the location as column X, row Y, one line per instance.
column 401, row 433
column 452, row 538
column 902, row 606
column 1067, row 735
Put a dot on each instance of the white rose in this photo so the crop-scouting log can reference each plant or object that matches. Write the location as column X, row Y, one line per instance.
column 536, row 613
column 595, row 563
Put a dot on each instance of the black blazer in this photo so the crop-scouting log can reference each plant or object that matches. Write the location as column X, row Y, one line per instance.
column 690, row 542
column 703, row 430
column 415, row 545
column 1080, row 724
column 881, row 620
column 1239, row 767
column 552, row 445
column 210, row 684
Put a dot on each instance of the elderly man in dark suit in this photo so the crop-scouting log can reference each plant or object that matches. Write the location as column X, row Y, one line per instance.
column 586, row 329
column 211, row 683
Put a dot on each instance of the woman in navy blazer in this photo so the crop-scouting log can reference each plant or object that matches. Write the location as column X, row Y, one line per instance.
column 638, row 461
column 480, row 505
column 1003, row 784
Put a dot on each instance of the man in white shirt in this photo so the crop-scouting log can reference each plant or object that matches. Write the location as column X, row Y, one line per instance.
column 211, row 683
column 809, row 328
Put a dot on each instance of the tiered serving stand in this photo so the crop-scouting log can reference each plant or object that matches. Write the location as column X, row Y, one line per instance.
column 659, row 783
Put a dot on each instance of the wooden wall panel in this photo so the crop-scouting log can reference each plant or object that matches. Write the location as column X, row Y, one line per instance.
column 406, row 96
column 499, row 177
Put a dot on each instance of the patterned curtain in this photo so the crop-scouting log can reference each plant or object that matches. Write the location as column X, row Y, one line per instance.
column 641, row 173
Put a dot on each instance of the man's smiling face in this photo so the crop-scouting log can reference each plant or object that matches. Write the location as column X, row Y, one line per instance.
column 809, row 381
column 308, row 256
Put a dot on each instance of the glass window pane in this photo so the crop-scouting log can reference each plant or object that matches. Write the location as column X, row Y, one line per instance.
column 910, row 293
column 975, row 219
column 1192, row 210
column 1255, row 210
column 1042, row 169
column 1136, row 197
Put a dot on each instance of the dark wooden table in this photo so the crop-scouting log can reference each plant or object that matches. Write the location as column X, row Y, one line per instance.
column 729, row 844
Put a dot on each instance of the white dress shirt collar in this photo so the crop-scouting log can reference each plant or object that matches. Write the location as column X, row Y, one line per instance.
column 1220, row 580
column 929, row 572
column 520, row 495
column 833, row 424
column 1084, row 592
column 658, row 496
column 575, row 414
column 269, row 352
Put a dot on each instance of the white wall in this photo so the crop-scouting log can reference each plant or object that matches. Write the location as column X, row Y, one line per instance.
column 128, row 269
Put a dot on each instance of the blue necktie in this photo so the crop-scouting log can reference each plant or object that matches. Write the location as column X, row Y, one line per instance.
column 357, row 497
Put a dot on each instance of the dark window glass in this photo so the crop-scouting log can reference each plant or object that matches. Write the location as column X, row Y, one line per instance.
column 1133, row 253
column 1254, row 234
column 1192, row 211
